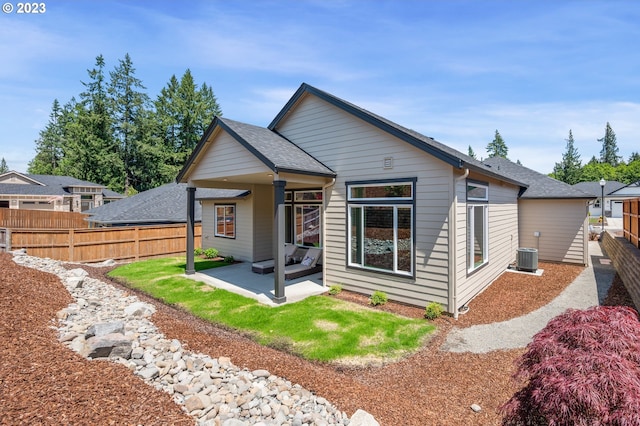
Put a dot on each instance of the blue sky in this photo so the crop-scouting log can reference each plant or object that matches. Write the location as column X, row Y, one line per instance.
column 453, row 70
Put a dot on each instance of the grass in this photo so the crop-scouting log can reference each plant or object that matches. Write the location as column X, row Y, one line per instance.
column 316, row 328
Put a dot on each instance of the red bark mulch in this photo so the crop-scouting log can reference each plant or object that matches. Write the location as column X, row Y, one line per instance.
column 43, row 382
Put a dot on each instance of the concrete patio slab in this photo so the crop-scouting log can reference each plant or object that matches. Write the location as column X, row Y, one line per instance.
column 238, row 278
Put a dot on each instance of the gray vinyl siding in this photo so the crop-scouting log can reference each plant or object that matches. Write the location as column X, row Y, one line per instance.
column 241, row 247
column 226, row 157
column 503, row 238
column 263, row 221
column 356, row 150
column 563, row 229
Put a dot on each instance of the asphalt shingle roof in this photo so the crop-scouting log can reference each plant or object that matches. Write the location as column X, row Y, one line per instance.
column 539, row 185
column 594, row 189
column 53, row 185
column 278, row 153
column 164, row 204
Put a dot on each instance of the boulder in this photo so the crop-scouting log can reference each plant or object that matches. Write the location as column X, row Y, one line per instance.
column 104, row 328
column 108, row 346
column 139, row 309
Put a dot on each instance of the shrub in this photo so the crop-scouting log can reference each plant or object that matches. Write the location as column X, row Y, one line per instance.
column 198, row 252
column 583, row 368
column 433, row 311
column 335, row 289
column 211, row 253
column 378, row 298
column 229, row 259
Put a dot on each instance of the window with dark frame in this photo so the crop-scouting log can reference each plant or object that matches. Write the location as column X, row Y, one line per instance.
column 380, row 226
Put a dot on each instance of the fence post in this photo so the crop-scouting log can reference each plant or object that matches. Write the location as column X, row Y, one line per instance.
column 137, row 243
column 8, row 240
column 71, row 247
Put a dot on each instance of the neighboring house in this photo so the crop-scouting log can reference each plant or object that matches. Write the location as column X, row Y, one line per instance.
column 56, row 193
column 165, row 204
column 393, row 210
column 614, row 194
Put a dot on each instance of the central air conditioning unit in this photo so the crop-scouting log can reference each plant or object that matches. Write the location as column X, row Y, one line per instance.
column 527, row 259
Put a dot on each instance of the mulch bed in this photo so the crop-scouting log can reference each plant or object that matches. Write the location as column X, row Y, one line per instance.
column 43, row 382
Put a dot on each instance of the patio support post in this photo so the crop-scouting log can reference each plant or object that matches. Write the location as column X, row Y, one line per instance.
column 191, row 207
column 278, row 241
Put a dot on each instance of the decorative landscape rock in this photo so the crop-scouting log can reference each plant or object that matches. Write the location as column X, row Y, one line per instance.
column 107, row 322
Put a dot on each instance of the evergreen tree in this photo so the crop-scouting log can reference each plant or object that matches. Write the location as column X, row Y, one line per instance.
column 49, row 145
column 569, row 169
column 634, row 156
column 89, row 149
column 497, row 147
column 609, row 152
column 128, row 109
column 471, row 153
column 3, row 166
column 184, row 112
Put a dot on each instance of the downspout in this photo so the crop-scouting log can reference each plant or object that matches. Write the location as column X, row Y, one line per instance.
column 453, row 244
column 325, row 201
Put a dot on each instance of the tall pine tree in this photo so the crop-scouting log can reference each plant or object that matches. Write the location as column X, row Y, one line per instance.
column 570, row 168
column 128, row 105
column 497, row 147
column 3, row 166
column 184, row 112
column 50, row 144
column 609, row 152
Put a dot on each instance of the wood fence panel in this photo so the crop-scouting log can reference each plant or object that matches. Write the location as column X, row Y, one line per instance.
column 41, row 219
column 99, row 244
column 631, row 221
column 5, row 240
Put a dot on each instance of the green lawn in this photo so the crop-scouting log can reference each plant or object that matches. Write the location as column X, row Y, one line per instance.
column 317, row 328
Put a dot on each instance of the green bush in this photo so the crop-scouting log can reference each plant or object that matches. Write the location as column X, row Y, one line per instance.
column 211, row 253
column 229, row 259
column 335, row 289
column 433, row 311
column 198, row 252
column 378, row 298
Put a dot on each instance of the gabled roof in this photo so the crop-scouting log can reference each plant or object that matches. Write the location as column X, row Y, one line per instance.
column 633, row 185
column 540, row 186
column 49, row 185
column 164, row 204
column 275, row 151
column 439, row 150
column 594, row 189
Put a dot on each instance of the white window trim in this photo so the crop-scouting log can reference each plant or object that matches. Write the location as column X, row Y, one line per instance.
column 215, row 221
column 470, row 247
column 478, row 185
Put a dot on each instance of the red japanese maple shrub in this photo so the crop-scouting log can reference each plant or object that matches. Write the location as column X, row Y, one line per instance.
column 583, row 368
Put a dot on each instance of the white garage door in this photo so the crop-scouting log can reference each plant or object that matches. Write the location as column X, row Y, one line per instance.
column 616, row 209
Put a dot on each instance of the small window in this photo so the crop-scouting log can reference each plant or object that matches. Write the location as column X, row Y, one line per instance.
column 225, row 221
column 392, row 191
column 308, row 196
column 477, row 191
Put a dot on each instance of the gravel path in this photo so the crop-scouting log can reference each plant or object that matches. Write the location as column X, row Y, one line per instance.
column 43, row 382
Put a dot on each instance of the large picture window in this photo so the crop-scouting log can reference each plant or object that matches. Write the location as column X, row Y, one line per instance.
column 477, row 225
column 380, row 226
column 225, row 221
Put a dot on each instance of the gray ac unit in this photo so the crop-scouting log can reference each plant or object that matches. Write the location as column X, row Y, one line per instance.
column 527, row 259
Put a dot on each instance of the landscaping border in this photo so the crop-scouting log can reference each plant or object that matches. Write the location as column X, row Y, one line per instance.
column 626, row 259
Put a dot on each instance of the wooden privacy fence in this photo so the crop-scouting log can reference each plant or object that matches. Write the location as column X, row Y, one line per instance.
column 41, row 219
column 631, row 220
column 96, row 245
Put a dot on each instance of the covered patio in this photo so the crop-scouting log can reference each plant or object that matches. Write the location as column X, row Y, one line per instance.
column 238, row 278
column 234, row 155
